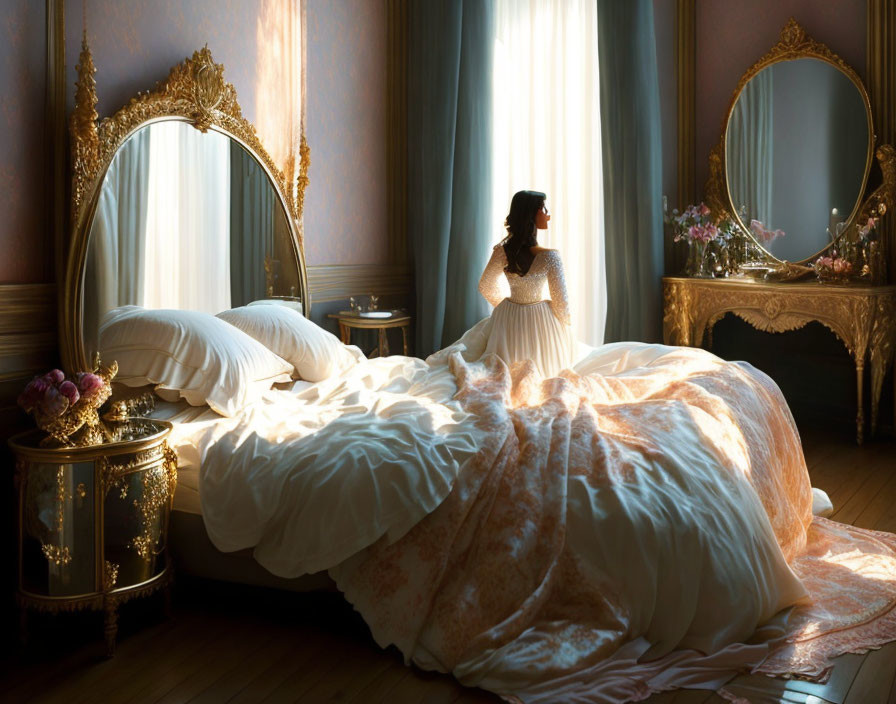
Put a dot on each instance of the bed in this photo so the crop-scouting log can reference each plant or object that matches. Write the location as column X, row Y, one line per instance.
column 639, row 523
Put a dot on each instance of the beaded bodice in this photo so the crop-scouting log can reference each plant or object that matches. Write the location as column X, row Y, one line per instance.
column 546, row 270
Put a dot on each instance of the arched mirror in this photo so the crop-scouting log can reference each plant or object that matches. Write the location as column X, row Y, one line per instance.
column 176, row 205
column 185, row 220
column 798, row 148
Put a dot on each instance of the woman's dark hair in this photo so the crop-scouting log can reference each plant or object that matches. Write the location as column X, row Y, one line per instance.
column 520, row 225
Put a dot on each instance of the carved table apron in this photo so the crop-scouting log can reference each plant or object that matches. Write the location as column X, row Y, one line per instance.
column 862, row 317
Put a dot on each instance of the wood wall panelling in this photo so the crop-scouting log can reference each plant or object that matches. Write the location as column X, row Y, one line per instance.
column 28, row 342
column 338, row 282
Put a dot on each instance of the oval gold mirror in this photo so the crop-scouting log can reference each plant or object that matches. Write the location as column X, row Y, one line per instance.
column 796, row 149
column 797, row 154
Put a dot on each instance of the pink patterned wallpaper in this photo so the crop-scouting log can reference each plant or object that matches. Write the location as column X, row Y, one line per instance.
column 134, row 43
column 23, row 232
column 346, row 202
column 731, row 36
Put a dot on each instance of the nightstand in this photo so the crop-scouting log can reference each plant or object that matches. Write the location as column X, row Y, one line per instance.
column 397, row 319
column 93, row 521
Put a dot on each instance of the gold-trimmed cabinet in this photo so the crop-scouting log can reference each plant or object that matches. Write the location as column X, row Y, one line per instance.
column 92, row 522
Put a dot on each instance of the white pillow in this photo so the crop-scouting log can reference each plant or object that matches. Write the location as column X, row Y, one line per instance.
column 194, row 354
column 315, row 353
column 289, row 303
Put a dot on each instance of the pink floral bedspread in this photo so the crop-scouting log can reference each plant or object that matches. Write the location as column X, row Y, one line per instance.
column 640, row 525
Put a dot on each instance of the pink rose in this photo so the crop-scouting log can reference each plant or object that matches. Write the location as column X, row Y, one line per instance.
column 70, row 391
column 54, row 377
column 703, row 209
column 53, row 404
column 89, row 384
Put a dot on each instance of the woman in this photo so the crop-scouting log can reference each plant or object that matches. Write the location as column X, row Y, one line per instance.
column 526, row 325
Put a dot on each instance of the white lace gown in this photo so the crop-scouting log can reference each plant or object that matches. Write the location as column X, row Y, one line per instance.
column 526, row 324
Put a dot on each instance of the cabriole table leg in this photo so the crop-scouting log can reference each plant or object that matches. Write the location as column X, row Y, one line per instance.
column 860, row 401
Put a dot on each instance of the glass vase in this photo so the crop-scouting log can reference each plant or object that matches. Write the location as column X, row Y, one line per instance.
column 696, row 264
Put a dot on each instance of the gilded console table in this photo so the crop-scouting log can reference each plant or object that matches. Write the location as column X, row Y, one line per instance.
column 862, row 317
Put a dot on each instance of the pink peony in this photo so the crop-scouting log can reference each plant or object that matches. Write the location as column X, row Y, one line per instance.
column 54, row 377
column 89, row 384
column 70, row 391
column 33, row 393
column 53, row 404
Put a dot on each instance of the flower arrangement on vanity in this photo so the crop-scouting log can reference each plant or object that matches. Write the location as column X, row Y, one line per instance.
column 712, row 244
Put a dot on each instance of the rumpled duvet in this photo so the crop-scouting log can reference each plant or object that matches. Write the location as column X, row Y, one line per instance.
column 639, row 523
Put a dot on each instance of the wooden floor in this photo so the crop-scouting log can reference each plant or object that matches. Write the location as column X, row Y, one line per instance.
column 232, row 644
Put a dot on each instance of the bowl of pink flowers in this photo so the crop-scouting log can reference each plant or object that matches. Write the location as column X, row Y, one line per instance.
column 832, row 269
column 66, row 408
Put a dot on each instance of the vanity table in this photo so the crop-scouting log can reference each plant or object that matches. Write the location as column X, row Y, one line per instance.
column 791, row 214
column 862, row 317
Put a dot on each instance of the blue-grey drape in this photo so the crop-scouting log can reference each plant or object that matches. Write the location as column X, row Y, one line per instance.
column 251, row 227
column 449, row 163
column 632, row 169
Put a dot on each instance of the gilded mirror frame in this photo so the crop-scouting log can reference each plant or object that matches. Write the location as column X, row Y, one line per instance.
column 795, row 43
column 195, row 92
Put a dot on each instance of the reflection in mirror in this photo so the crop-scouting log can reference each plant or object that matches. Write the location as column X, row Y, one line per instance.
column 797, row 151
column 185, row 220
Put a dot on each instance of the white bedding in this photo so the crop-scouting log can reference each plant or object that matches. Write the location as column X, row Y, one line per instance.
column 546, row 539
column 314, row 473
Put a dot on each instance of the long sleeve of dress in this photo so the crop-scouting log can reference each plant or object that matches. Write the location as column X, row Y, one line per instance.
column 557, row 287
column 493, row 276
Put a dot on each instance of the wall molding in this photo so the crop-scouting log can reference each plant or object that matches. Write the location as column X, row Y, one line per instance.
column 54, row 130
column 397, row 137
column 686, row 74
column 336, row 282
column 881, row 84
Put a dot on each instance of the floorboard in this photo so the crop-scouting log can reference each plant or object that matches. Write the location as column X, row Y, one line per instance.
column 247, row 646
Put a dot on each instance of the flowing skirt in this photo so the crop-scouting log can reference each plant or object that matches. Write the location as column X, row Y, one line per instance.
column 521, row 332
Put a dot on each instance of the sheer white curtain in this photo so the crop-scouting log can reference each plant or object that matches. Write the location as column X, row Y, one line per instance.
column 547, row 138
column 188, row 223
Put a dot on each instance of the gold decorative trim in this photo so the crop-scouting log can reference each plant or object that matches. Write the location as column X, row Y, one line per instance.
column 686, row 25
column 196, row 92
column 794, row 43
column 337, row 281
column 881, row 74
column 302, row 179
column 26, row 446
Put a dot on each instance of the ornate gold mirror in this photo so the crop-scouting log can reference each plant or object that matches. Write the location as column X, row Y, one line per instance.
column 176, row 204
column 793, row 163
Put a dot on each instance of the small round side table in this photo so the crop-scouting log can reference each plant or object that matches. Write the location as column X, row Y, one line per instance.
column 398, row 319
